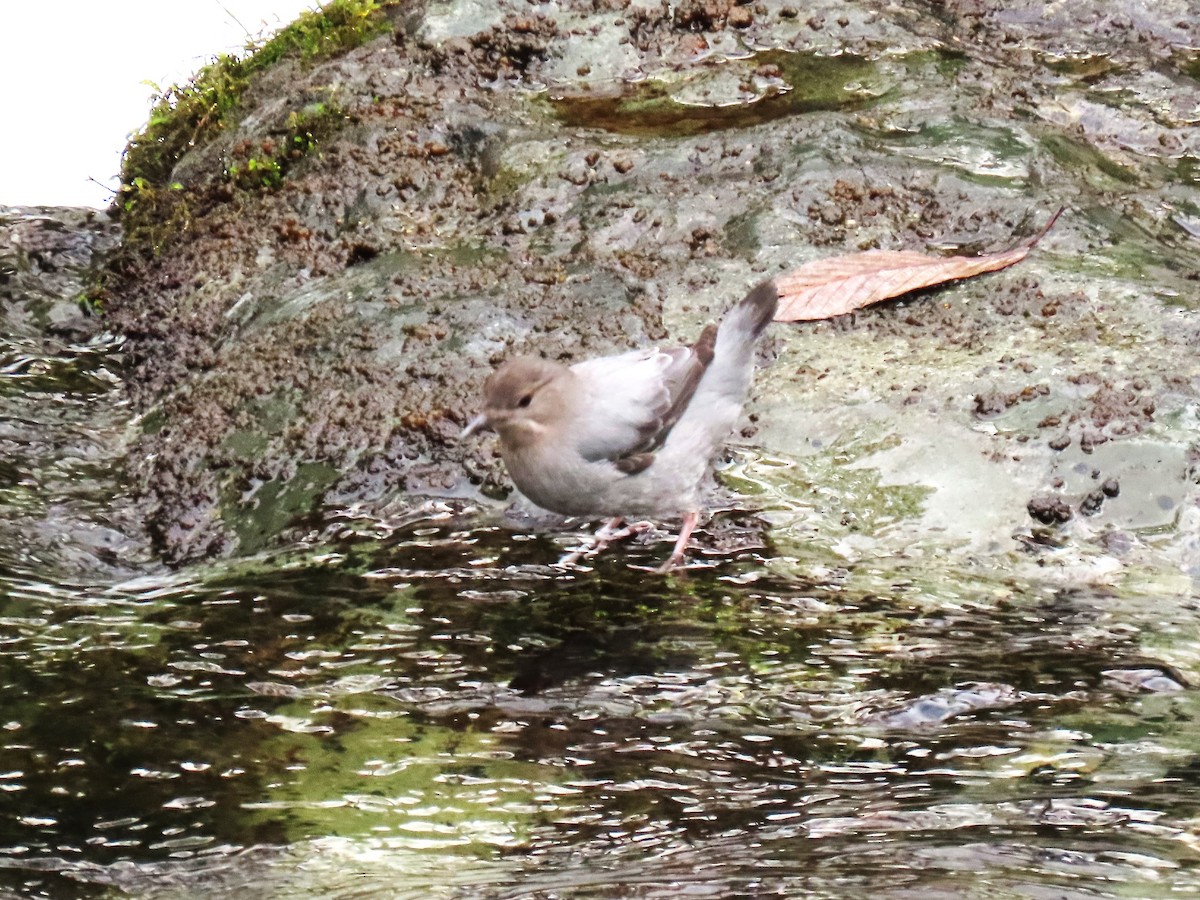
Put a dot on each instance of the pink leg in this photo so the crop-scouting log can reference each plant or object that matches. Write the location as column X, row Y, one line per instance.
column 685, row 534
column 609, row 531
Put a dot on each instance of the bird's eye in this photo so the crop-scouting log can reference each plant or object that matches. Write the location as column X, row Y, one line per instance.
column 525, row 401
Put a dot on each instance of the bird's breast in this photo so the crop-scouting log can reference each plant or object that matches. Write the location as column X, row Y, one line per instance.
column 557, row 478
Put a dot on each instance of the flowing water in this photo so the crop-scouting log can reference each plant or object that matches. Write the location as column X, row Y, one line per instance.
column 426, row 708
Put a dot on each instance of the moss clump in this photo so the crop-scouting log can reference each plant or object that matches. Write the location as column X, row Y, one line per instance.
column 187, row 116
column 263, row 164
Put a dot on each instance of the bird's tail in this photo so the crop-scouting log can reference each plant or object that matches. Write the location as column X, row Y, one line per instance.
column 746, row 321
column 728, row 375
column 727, row 354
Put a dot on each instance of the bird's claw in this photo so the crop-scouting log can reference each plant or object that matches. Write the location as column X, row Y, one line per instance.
column 674, row 561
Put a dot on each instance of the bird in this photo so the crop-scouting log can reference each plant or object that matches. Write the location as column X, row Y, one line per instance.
column 630, row 435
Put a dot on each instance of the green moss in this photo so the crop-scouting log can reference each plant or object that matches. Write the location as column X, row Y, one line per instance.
column 91, row 300
column 151, row 214
column 182, row 117
column 337, row 26
column 185, row 117
column 271, row 160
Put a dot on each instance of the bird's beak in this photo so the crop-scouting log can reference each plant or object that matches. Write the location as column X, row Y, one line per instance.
column 478, row 423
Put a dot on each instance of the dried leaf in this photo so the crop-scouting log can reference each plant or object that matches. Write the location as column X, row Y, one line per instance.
column 826, row 288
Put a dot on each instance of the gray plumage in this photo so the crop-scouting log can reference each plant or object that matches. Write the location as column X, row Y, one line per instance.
column 626, row 435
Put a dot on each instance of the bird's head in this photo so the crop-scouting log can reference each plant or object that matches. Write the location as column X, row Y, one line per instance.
column 523, row 399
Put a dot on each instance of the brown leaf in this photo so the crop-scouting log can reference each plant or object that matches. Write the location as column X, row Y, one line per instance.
column 826, row 288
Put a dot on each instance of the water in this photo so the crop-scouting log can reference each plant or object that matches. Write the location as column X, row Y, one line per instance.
column 439, row 714
column 425, row 707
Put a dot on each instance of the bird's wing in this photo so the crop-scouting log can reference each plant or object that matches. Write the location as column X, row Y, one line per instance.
column 634, row 399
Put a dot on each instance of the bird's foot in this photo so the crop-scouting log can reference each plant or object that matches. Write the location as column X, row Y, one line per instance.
column 678, row 557
column 674, row 561
column 630, row 530
column 608, row 532
column 570, row 560
column 612, row 530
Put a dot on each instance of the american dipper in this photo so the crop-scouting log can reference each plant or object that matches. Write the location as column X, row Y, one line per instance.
column 632, row 435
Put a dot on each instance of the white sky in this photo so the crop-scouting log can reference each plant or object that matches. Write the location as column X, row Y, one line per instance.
column 72, row 76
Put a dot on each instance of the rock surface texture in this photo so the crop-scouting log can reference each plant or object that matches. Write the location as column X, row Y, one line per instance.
column 576, row 177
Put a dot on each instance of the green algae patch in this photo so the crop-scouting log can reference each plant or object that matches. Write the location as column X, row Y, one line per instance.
column 186, row 117
column 732, row 94
column 1188, row 61
column 1187, row 170
column 1084, row 67
column 270, row 506
column 986, row 155
column 1101, row 171
column 429, row 788
column 838, row 493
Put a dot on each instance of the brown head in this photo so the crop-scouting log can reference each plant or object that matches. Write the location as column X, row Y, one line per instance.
column 523, row 399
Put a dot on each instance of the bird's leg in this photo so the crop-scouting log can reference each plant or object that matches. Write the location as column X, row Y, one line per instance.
column 608, row 532
column 685, row 533
column 611, row 533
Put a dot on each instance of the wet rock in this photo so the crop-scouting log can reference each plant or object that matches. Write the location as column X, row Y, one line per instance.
column 936, row 709
column 617, row 173
column 992, row 403
column 1118, row 543
column 1049, row 509
column 1092, row 503
column 47, row 256
column 1153, row 681
column 740, row 17
column 705, row 15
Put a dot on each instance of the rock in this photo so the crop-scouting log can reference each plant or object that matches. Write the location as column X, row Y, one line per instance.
column 47, row 257
column 309, row 332
column 1092, row 503
column 934, row 710
column 1049, row 509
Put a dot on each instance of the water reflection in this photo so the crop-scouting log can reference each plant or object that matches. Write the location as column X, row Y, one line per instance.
column 507, row 730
